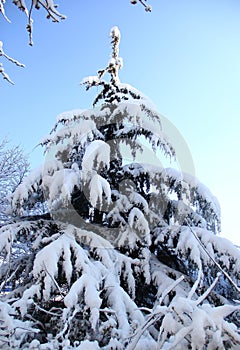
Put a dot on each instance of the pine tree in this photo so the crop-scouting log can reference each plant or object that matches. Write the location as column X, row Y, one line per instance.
column 127, row 255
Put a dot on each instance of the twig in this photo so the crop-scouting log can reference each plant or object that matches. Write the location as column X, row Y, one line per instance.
column 196, row 284
column 5, row 75
column 8, row 278
column 170, row 288
column 3, row 12
column 43, row 310
column 3, row 54
column 210, row 288
column 108, row 311
column 54, row 281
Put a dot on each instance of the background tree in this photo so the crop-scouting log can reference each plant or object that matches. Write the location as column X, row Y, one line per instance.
column 14, row 166
column 130, row 258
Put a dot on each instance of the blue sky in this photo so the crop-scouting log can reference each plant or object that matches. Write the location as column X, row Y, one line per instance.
column 185, row 56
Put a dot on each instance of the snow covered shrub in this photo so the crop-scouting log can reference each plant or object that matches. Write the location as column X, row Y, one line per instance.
column 128, row 255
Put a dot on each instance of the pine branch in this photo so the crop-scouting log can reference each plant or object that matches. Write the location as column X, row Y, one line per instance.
column 208, row 291
column 213, row 260
column 160, row 310
column 54, row 281
column 45, row 311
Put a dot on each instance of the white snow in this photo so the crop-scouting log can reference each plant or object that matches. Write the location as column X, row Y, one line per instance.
column 99, row 187
column 96, row 154
column 115, row 32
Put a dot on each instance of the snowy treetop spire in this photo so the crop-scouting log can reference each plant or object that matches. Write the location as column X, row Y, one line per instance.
column 113, row 90
column 115, row 63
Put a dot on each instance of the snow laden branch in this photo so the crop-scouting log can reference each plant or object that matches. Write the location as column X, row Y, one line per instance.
column 2, row 71
column 187, row 321
column 115, row 62
column 82, row 281
column 49, row 6
column 52, row 13
column 112, row 91
column 214, row 261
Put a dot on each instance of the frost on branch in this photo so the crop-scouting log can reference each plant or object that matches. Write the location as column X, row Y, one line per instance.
column 52, row 13
column 49, row 6
column 127, row 255
column 2, row 71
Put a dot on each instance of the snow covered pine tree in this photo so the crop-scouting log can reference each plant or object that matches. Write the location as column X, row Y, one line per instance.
column 127, row 256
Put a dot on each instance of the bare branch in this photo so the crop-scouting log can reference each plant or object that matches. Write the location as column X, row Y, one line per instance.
column 143, row 2
column 2, row 2
column 54, row 281
column 3, row 54
column 13, row 167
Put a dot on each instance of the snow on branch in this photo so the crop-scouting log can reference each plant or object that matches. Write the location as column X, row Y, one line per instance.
column 2, row 71
column 48, row 5
column 186, row 321
column 97, row 155
column 100, row 287
column 112, row 91
column 214, row 261
column 85, row 278
column 9, row 325
column 203, row 250
column 142, row 2
column 52, row 13
column 115, row 63
column 2, row 10
column 99, row 187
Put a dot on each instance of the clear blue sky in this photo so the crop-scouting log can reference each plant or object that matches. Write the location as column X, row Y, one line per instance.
column 185, row 56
